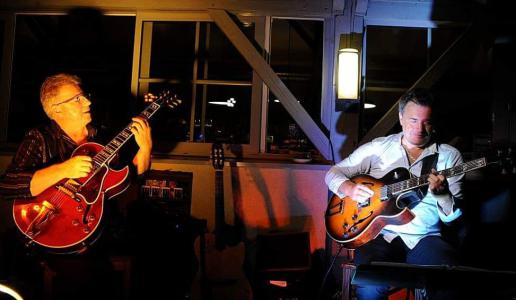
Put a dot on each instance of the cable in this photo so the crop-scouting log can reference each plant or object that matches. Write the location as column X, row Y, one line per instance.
column 323, row 283
column 332, row 153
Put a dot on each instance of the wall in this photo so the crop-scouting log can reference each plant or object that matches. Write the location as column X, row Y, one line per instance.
column 269, row 196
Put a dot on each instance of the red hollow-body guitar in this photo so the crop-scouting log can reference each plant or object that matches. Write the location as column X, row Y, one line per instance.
column 354, row 224
column 66, row 216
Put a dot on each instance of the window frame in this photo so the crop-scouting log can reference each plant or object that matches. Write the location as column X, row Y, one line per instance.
column 141, row 65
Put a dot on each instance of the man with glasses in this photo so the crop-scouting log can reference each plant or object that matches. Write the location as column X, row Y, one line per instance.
column 44, row 156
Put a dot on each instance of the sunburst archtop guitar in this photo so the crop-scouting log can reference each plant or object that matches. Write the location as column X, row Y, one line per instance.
column 353, row 224
column 65, row 217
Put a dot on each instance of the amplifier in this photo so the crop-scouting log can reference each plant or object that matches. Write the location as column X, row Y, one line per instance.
column 170, row 189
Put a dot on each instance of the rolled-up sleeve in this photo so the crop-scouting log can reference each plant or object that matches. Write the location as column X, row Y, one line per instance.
column 455, row 187
column 356, row 163
column 15, row 182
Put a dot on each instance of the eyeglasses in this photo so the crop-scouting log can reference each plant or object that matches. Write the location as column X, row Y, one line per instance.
column 77, row 98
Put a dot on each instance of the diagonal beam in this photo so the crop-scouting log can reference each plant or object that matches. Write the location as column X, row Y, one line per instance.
column 260, row 66
column 431, row 76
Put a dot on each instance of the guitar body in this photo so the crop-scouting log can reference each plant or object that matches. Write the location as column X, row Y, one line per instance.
column 65, row 216
column 354, row 224
column 223, row 276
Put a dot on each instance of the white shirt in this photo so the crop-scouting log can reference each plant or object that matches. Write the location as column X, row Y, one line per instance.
column 379, row 157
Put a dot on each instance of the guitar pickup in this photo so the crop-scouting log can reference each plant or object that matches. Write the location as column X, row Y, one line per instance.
column 68, row 192
column 365, row 203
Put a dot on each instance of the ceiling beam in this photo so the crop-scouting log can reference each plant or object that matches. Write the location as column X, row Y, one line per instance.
column 305, row 8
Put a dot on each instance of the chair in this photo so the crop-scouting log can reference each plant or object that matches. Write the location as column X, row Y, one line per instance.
column 348, row 273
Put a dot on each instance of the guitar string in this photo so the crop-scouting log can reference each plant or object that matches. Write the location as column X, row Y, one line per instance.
column 406, row 184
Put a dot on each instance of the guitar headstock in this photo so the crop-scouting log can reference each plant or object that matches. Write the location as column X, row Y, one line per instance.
column 164, row 97
column 217, row 156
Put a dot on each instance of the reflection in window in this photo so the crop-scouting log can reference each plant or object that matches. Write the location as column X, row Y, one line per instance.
column 95, row 47
column 197, row 61
column 296, row 56
column 223, row 121
column 396, row 57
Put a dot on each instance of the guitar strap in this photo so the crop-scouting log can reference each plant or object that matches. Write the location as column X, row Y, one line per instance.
column 429, row 163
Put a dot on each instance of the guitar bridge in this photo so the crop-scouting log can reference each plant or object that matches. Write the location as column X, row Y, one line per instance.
column 69, row 189
column 45, row 213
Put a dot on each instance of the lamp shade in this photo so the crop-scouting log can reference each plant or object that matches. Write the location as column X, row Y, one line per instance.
column 348, row 74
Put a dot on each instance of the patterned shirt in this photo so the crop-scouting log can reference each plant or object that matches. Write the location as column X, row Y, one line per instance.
column 40, row 148
column 384, row 154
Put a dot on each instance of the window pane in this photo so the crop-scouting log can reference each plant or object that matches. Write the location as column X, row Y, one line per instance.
column 227, row 116
column 95, row 47
column 173, row 50
column 296, row 56
column 170, row 126
column 223, row 60
column 396, row 57
column 283, row 134
column 442, row 39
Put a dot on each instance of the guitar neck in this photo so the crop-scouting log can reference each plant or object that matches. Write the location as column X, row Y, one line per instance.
column 120, row 139
column 412, row 183
column 219, row 201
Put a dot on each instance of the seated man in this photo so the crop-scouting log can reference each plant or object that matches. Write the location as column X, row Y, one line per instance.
column 420, row 240
column 44, row 156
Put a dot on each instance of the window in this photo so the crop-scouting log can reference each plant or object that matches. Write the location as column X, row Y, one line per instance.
column 397, row 57
column 296, row 56
column 195, row 60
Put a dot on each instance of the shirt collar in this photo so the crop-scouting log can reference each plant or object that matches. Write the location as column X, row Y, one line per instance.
column 430, row 149
column 60, row 133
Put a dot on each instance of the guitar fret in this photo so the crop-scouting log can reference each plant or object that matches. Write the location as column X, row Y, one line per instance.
column 113, row 146
column 108, row 149
column 423, row 179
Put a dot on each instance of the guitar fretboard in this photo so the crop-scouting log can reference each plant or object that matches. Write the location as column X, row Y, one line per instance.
column 219, row 200
column 405, row 185
column 120, row 139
